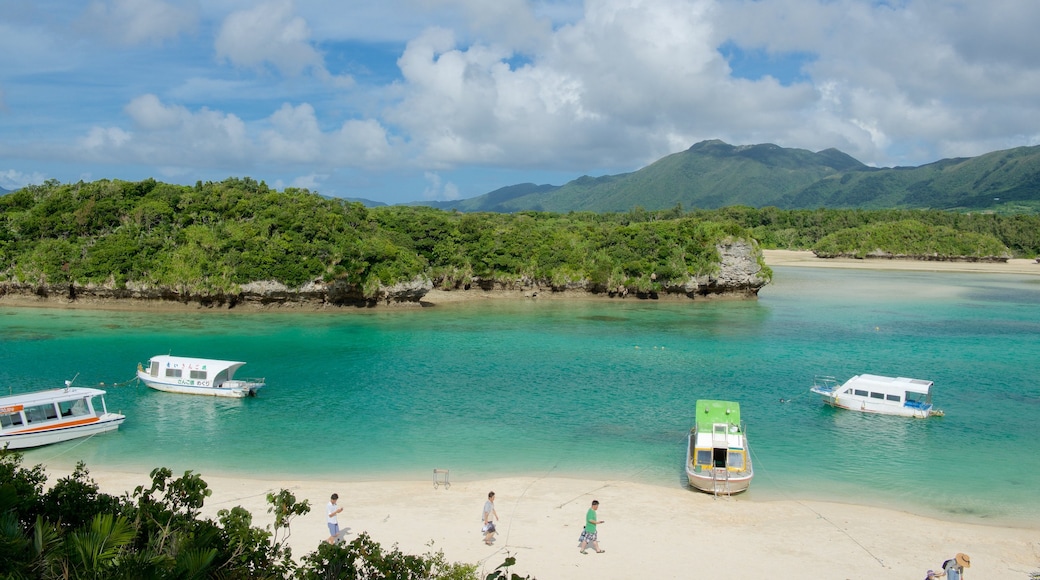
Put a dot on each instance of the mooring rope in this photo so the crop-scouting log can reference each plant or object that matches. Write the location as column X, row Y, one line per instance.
column 821, row 516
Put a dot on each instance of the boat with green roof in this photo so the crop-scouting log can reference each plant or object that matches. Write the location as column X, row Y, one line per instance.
column 718, row 459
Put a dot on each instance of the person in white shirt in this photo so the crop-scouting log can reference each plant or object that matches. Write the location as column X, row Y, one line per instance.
column 331, row 511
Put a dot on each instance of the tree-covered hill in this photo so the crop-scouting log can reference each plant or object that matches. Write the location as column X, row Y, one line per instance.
column 713, row 174
column 218, row 242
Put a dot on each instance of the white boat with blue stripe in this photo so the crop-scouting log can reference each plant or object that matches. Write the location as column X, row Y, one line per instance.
column 877, row 394
column 197, row 376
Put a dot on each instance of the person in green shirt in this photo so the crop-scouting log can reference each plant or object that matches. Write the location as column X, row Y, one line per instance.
column 588, row 535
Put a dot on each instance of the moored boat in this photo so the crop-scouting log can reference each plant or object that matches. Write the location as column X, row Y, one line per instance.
column 197, row 376
column 877, row 394
column 54, row 415
column 718, row 459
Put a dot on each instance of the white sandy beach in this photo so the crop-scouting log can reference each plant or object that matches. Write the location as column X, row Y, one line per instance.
column 649, row 531
column 808, row 259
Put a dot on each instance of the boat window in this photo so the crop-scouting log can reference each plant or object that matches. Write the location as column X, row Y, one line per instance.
column 198, row 374
column 736, row 460
column 703, row 456
column 154, row 370
column 73, row 408
column 10, row 420
column 861, row 393
column 877, row 395
column 175, row 373
column 41, row 413
column 916, row 397
column 893, row 398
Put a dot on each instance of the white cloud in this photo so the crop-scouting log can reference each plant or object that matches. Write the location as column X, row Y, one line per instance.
column 438, row 190
column 12, row 179
column 174, row 136
column 134, row 22
column 268, row 33
column 551, row 85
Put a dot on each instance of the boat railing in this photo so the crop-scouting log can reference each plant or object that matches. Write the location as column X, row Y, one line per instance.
column 825, row 384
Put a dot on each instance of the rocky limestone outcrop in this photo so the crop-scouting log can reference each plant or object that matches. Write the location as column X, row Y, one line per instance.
column 740, row 274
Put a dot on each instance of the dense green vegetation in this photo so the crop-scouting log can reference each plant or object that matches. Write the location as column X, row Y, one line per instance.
column 212, row 238
column 713, row 174
column 908, row 238
column 803, row 229
column 73, row 531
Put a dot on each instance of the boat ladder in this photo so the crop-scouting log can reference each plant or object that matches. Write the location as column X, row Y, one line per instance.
column 720, row 481
column 719, row 475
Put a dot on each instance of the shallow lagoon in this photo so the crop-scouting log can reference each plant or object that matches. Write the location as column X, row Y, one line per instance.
column 591, row 388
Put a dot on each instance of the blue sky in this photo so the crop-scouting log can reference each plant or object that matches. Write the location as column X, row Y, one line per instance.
column 405, row 100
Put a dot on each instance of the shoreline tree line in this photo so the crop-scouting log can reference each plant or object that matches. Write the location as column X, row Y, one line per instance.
column 213, row 237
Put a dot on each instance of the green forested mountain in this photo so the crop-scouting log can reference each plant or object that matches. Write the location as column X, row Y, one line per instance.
column 713, row 174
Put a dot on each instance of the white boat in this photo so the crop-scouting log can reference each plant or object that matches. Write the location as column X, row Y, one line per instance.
column 877, row 394
column 54, row 415
column 197, row 376
column 718, row 459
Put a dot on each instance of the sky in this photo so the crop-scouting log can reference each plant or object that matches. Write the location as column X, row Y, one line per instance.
column 410, row 100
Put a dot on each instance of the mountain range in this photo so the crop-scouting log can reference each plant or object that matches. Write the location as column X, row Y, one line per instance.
column 714, row 174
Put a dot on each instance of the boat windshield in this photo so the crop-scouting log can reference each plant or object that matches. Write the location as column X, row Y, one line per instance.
column 917, row 398
column 736, row 460
column 75, row 408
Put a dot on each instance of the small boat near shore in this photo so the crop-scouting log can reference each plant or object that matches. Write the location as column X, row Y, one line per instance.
column 197, row 376
column 54, row 415
column 900, row 396
column 718, row 458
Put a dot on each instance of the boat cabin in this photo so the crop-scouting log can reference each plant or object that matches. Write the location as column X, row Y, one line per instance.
column 198, row 372
column 41, row 409
column 894, row 390
column 718, row 437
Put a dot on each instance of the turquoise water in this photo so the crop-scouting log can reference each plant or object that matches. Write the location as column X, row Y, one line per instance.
column 601, row 389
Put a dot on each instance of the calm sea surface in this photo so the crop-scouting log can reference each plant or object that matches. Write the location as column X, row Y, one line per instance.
column 594, row 389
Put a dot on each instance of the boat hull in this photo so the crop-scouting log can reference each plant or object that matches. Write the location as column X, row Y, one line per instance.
column 708, row 484
column 866, row 406
column 237, row 391
column 61, row 432
column 718, row 481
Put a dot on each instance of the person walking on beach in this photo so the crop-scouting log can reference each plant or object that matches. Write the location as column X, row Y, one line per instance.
column 331, row 511
column 953, row 568
column 489, row 512
column 588, row 535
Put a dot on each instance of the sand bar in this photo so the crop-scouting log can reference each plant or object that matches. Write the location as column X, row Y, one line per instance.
column 807, row 259
column 649, row 531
